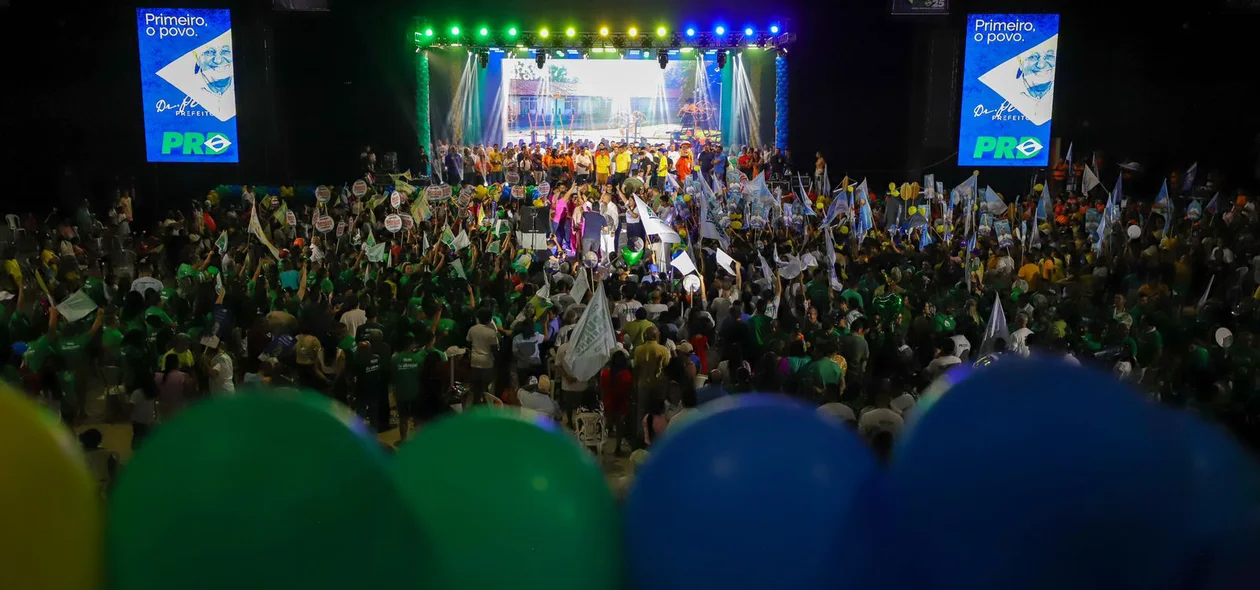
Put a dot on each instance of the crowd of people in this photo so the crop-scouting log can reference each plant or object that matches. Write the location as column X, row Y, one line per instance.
column 716, row 271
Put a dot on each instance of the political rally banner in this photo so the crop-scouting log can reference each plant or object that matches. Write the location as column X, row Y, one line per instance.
column 1008, row 89
column 188, row 85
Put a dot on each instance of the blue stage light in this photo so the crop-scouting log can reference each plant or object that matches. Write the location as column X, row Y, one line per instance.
column 691, row 32
column 748, row 32
column 774, row 29
column 720, row 30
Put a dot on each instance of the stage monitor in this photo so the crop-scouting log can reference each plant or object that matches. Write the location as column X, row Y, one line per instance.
column 1008, row 89
column 187, row 83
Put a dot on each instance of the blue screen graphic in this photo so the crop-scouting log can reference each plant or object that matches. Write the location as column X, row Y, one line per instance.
column 1008, row 89
column 186, row 75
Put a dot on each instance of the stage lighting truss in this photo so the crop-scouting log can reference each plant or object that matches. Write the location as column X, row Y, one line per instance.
column 540, row 58
column 582, row 42
column 662, row 57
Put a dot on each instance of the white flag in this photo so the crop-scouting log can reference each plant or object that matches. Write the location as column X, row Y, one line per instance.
column 830, row 245
column 592, row 341
column 765, row 268
column 316, row 254
column 76, row 306
column 996, row 328
column 461, row 241
column 1091, row 180
column 458, row 267
column 726, row 261
column 683, row 263
column 256, row 228
column 427, row 245
column 1206, row 292
column 580, row 285
column 653, row 225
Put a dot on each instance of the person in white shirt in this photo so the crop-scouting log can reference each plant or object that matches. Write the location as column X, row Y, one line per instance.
column 582, row 167
column 1019, row 336
column 483, row 339
column 946, row 359
column 526, row 353
column 624, row 310
column 354, row 318
column 221, row 371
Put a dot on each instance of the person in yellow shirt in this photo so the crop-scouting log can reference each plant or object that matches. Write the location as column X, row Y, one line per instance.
column 662, row 169
column 622, row 171
column 603, row 165
column 1030, row 273
column 496, row 164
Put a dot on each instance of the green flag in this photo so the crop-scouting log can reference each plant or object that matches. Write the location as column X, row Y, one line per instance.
column 447, row 237
column 222, row 242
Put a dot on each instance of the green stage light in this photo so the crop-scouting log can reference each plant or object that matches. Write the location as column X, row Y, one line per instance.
column 512, row 32
column 483, row 32
column 569, row 32
column 660, row 31
column 454, row 30
column 543, row 33
column 428, row 32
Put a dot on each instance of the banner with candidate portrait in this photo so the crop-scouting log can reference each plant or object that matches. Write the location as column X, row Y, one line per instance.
column 1008, row 89
column 188, row 85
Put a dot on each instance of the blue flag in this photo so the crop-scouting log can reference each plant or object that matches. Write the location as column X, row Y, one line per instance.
column 925, row 237
column 1101, row 235
column 1044, row 205
column 1190, row 174
column 1162, row 201
column 865, row 219
column 1212, row 205
column 1069, row 155
column 993, row 202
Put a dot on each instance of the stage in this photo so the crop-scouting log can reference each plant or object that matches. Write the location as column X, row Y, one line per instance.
column 486, row 88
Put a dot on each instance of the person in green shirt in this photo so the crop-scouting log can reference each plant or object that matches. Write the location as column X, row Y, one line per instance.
column 111, row 336
column 760, row 324
column 404, row 379
column 636, row 330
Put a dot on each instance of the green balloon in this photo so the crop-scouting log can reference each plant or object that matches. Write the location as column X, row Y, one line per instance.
column 631, row 257
column 510, row 503
column 262, row 490
column 886, row 306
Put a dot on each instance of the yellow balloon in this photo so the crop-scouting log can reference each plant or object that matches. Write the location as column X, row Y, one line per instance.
column 1039, row 187
column 850, row 188
column 682, row 232
column 975, row 173
column 912, row 210
column 50, row 508
column 844, row 229
column 892, row 186
column 686, row 198
column 737, row 225
column 820, row 205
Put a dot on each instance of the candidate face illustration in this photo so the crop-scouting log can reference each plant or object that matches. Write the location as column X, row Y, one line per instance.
column 1037, row 72
column 215, row 66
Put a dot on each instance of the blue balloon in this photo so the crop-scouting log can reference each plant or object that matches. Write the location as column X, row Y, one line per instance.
column 1226, row 487
column 1034, row 474
column 751, row 495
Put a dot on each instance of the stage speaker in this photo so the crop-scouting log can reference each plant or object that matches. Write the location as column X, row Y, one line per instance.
column 942, row 67
column 300, row 5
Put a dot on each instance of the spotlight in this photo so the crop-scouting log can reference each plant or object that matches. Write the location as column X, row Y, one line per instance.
column 483, row 58
column 483, row 32
column 691, row 32
column 676, row 41
column 454, row 31
column 662, row 57
column 428, row 32
column 721, row 59
column 660, row 31
column 720, row 30
column 544, row 33
column 633, row 32
column 540, row 58
column 762, row 40
column 603, row 31
column 748, row 32
column 774, row 29
column 512, row 32
column 569, row 32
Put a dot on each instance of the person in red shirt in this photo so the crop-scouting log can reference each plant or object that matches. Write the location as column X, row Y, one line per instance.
column 617, row 382
column 683, row 168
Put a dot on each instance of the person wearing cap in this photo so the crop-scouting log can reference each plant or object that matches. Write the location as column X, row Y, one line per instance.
column 535, row 396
